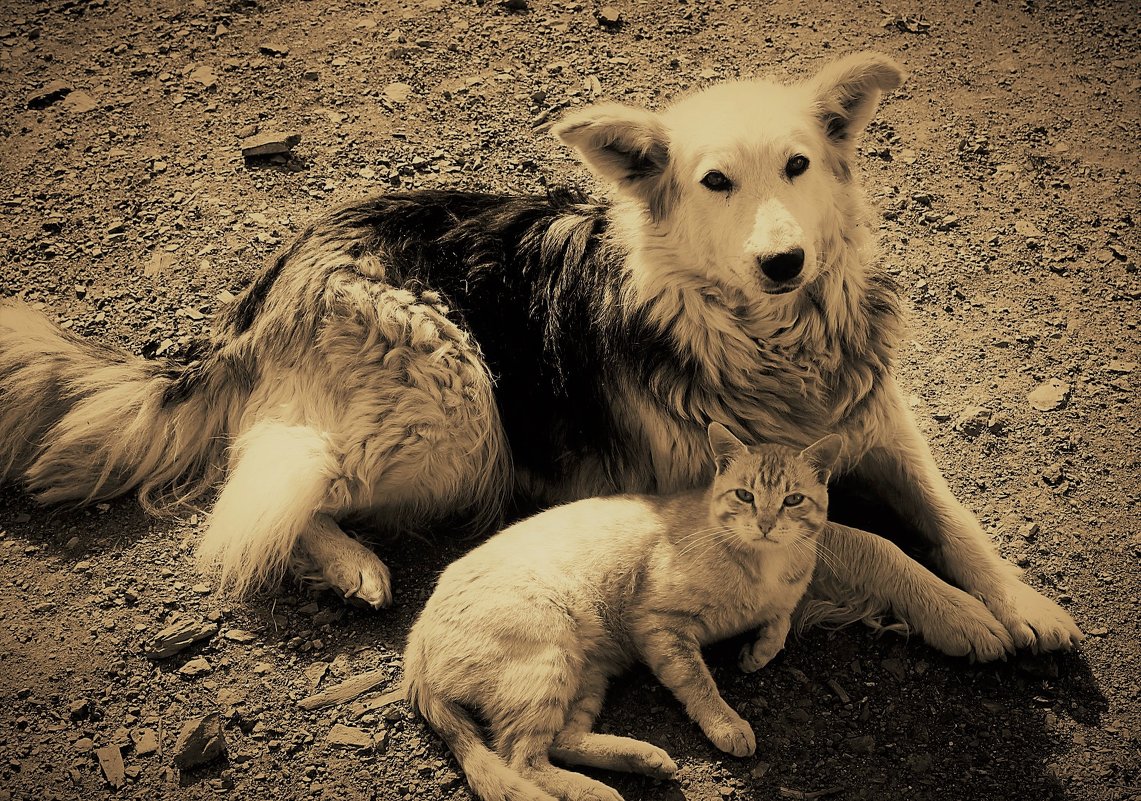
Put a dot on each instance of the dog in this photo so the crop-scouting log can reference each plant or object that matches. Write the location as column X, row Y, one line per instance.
column 452, row 355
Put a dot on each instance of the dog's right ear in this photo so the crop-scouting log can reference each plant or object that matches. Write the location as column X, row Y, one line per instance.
column 624, row 145
column 724, row 445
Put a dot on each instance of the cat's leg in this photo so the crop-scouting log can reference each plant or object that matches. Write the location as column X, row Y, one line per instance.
column 770, row 641
column 675, row 658
column 533, row 704
column 903, row 472
column 860, row 576
column 577, row 745
column 329, row 557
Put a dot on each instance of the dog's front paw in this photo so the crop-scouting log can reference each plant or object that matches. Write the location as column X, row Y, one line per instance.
column 732, row 734
column 755, row 656
column 356, row 574
column 1033, row 620
column 965, row 627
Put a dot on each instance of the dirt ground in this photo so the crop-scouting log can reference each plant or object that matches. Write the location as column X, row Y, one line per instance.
column 1006, row 174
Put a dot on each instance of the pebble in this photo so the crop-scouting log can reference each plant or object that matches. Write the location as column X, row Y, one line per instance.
column 79, row 103
column 609, row 17
column 1028, row 229
column 200, row 741
column 204, row 75
column 269, row 144
column 178, row 636
column 864, row 744
column 895, row 667
column 196, row 667
column 274, row 49
column 53, row 92
column 397, row 92
column 240, row 635
column 349, row 736
column 111, row 762
column 83, row 745
column 1049, row 396
column 145, row 740
column 972, row 421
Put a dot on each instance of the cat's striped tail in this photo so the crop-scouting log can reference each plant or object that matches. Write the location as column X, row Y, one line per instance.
column 82, row 422
column 491, row 778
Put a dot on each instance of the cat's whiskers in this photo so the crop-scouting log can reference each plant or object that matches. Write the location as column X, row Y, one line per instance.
column 708, row 540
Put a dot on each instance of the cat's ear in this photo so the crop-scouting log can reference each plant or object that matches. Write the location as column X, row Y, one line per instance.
column 725, row 446
column 824, row 455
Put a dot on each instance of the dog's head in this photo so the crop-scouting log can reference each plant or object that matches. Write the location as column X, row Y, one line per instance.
column 745, row 180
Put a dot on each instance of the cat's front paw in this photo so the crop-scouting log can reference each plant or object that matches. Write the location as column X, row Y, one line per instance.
column 733, row 735
column 755, row 656
column 1033, row 620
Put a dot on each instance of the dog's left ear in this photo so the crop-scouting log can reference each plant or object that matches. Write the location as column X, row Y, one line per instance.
column 624, row 145
column 824, row 455
column 847, row 92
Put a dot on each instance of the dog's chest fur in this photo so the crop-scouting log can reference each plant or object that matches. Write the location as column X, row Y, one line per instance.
column 595, row 394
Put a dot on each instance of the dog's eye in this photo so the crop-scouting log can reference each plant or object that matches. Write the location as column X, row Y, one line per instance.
column 795, row 499
column 796, row 166
column 745, row 495
column 716, row 181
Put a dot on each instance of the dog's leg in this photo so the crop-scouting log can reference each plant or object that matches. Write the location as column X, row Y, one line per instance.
column 903, row 473
column 860, row 576
column 330, row 557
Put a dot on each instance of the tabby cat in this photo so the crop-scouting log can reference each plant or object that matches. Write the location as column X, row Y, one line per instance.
column 527, row 629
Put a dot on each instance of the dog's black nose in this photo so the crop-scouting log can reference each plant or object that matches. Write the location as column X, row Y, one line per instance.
column 783, row 266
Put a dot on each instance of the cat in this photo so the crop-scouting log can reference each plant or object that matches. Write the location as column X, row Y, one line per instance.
column 527, row 629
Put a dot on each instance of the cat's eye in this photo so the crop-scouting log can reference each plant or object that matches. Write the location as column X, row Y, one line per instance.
column 796, row 166
column 795, row 499
column 745, row 496
column 716, row 181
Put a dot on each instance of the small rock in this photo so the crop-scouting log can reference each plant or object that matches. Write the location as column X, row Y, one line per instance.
column 196, row 667
column 1049, row 396
column 316, row 673
column 261, row 668
column 865, row 744
column 53, row 92
column 204, row 75
column 1055, row 474
column 1028, row 531
column 240, row 635
column 79, row 709
column 246, row 131
column 145, row 740
column 1118, row 366
column 609, row 17
column 79, row 103
column 397, row 92
column 111, row 761
column 895, row 667
column 1028, row 229
column 180, row 635
column 200, row 741
column 349, row 736
column 269, row 144
column 515, row 5
column 274, row 49
column 972, row 421
column 1100, row 631
column 83, row 745
column 919, row 763
column 159, row 263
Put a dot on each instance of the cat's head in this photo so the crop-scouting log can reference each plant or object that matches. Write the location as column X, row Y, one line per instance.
column 771, row 495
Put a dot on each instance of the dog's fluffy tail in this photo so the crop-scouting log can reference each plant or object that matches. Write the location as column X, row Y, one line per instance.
column 82, row 422
column 280, row 478
column 491, row 778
